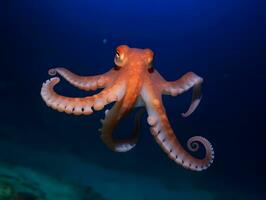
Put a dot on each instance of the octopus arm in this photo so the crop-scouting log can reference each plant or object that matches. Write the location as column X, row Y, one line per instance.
column 187, row 81
column 109, row 123
column 83, row 105
column 165, row 137
column 85, row 82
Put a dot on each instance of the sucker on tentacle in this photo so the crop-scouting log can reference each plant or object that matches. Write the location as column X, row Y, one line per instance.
column 170, row 145
column 165, row 137
column 83, row 105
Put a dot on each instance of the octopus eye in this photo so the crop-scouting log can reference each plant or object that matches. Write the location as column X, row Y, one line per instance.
column 119, row 57
column 117, row 54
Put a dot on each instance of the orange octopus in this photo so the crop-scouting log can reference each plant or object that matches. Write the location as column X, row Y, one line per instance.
column 133, row 82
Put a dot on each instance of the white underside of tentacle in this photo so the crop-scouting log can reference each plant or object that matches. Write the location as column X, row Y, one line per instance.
column 84, row 82
column 80, row 105
column 165, row 137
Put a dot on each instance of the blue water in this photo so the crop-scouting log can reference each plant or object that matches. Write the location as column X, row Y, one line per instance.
column 222, row 41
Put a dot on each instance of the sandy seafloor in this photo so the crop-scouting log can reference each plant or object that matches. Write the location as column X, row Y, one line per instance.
column 62, row 175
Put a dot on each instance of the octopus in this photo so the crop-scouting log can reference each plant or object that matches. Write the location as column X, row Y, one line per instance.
column 133, row 83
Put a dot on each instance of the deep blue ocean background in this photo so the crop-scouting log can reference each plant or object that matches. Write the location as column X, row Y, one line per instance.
column 222, row 41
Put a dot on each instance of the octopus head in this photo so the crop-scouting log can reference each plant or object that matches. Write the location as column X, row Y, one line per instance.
column 125, row 55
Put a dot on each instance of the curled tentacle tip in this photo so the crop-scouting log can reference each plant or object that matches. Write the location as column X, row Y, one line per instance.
column 193, row 146
column 184, row 115
column 52, row 72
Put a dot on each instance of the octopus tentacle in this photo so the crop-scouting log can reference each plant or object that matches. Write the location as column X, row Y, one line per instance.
column 183, row 84
column 85, row 82
column 112, row 118
column 83, row 105
column 165, row 137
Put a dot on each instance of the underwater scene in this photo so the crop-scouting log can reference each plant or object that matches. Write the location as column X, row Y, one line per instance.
column 132, row 100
